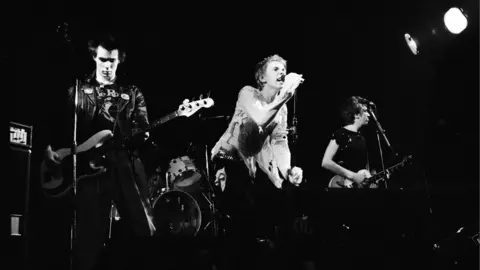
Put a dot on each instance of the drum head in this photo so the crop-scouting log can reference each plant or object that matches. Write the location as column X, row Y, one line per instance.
column 187, row 179
column 176, row 213
column 182, row 173
column 180, row 165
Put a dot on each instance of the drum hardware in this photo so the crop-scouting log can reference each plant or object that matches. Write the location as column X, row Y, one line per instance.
column 167, row 184
column 212, row 209
column 211, row 196
column 114, row 215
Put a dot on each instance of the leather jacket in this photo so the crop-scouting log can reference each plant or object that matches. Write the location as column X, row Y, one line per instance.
column 131, row 115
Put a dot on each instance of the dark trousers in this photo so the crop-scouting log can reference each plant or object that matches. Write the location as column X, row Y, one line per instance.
column 93, row 205
column 257, row 209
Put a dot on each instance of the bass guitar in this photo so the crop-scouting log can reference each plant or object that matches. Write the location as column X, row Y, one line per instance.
column 370, row 181
column 57, row 179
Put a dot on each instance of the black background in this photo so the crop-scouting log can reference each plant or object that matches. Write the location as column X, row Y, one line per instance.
column 428, row 104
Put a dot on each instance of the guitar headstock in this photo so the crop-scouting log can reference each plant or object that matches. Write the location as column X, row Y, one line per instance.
column 188, row 109
column 407, row 160
column 380, row 176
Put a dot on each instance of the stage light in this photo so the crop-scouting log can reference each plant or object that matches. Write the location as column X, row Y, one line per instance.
column 455, row 20
column 432, row 36
column 412, row 44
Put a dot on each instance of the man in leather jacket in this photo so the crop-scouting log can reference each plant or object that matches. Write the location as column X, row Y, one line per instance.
column 105, row 102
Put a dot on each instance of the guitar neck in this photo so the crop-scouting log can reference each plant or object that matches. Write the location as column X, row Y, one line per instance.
column 382, row 173
column 163, row 120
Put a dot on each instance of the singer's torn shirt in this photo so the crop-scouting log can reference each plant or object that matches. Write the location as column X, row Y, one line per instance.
column 266, row 146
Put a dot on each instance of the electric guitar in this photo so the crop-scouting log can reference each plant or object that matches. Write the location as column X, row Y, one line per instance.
column 57, row 179
column 370, row 181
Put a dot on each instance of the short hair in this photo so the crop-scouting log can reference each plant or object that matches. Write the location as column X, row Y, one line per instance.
column 351, row 107
column 261, row 67
column 109, row 42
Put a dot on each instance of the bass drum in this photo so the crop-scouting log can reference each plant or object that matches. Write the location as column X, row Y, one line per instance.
column 179, row 214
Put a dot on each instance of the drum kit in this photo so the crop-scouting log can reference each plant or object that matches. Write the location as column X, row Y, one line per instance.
column 183, row 196
column 184, row 201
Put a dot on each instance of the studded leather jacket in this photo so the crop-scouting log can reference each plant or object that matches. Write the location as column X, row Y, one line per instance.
column 131, row 118
column 132, row 114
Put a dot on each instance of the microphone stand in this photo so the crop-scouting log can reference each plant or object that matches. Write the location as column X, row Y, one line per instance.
column 210, row 197
column 293, row 129
column 297, row 217
column 74, row 173
column 63, row 28
column 379, row 131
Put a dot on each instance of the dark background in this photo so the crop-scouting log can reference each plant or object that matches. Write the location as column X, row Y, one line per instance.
column 428, row 104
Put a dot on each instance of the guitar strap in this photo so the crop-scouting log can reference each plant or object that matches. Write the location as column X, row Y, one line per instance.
column 115, row 125
column 117, row 121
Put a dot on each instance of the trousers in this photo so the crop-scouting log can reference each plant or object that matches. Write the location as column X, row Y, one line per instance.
column 256, row 210
column 123, row 186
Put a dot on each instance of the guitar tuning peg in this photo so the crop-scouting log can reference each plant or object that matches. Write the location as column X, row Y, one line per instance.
column 208, row 95
column 201, row 96
column 185, row 101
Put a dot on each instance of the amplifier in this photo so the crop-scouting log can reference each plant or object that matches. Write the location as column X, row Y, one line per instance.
column 20, row 135
column 19, row 159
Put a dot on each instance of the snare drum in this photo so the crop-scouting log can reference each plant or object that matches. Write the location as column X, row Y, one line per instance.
column 184, row 175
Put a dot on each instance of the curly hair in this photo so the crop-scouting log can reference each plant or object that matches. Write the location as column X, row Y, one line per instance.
column 351, row 107
column 261, row 67
column 107, row 41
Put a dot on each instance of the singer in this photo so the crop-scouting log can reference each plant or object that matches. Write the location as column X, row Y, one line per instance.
column 105, row 102
column 346, row 154
column 257, row 137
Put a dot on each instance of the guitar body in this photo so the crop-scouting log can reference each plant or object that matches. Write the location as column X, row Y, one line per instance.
column 339, row 181
column 57, row 179
column 370, row 181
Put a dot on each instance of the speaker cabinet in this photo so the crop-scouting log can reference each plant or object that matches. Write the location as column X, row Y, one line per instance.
column 19, row 189
column 19, row 192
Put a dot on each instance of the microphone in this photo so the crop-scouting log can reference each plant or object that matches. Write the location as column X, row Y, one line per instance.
column 282, row 78
column 369, row 103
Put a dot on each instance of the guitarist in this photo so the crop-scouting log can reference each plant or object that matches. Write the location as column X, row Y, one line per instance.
column 346, row 154
column 106, row 102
